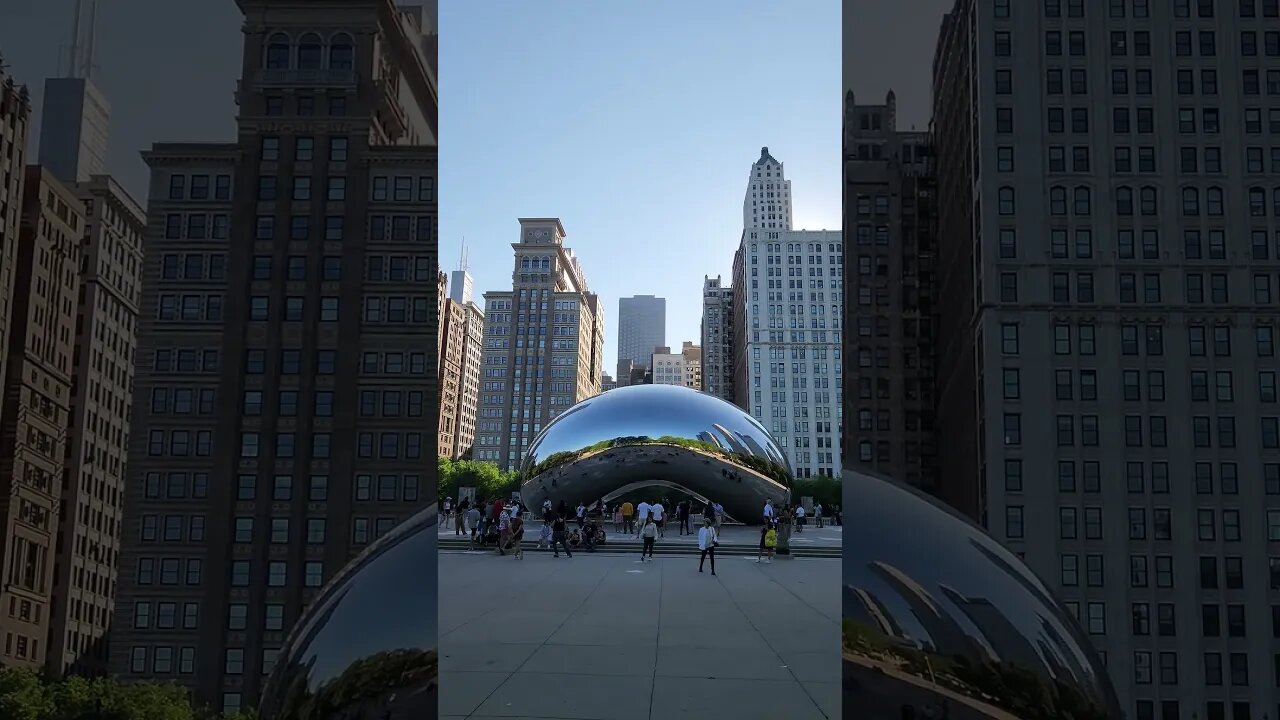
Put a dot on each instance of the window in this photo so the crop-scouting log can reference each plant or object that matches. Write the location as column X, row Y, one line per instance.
column 1013, row 522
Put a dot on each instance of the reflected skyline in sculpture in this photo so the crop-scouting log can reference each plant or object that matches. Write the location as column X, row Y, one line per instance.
column 938, row 616
column 657, row 434
column 367, row 646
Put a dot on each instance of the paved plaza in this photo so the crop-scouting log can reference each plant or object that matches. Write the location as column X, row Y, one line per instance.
column 606, row 637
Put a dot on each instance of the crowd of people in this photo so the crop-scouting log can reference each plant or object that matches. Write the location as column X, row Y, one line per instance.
column 501, row 524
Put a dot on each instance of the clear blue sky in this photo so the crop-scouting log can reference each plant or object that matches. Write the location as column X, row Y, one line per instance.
column 636, row 124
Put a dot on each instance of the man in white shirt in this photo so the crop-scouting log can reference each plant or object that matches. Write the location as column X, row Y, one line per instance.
column 707, row 544
column 768, row 512
column 642, row 512
column 800, row 518
column 659, row 514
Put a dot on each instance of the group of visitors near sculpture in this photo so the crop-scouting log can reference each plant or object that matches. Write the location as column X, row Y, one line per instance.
column 500, row 524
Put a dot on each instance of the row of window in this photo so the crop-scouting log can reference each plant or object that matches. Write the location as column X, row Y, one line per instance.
column 1144, row 244
column 1140, row 476
column 1084, row 431
column 1135, row 340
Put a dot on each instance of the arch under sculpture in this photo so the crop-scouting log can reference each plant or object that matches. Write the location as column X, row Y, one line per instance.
column 657, row 435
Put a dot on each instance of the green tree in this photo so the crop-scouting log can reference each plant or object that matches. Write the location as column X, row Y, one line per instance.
column 488, row 480
column 25, row 695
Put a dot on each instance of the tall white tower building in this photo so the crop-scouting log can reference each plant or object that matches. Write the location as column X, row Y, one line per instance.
column 767, row 203
column 786, row 326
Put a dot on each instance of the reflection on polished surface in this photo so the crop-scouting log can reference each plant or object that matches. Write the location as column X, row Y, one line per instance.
column 649, row 433
column 941, row 621
column 366, row 648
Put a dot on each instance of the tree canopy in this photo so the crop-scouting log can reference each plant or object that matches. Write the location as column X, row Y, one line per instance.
column 25, row 695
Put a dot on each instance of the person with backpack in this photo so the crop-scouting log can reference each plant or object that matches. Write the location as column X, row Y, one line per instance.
column 648, row 533
column 770, row 542
column 707, row 544
column 558, row 534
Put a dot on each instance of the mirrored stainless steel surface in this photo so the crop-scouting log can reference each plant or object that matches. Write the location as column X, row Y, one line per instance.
column 366, row 648
column 657, row 434
column 941, row 621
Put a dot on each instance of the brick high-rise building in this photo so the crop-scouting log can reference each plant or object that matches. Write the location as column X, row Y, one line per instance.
column 1108, row 279
column 15, row 113
column 93, row 494
column 717, row 338
column 889, row 301
column 37, row 411
column 451, row 355
column 284, row 407
column 544, row 344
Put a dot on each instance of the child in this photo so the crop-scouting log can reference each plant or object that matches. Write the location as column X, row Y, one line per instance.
column 544, row 537
column 770, row 542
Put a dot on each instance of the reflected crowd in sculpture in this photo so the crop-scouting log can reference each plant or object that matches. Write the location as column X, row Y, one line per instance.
column 661, row 435
column 941, row 621
column 367, row 647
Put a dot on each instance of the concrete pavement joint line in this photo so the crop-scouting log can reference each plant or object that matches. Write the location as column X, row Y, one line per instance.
column 790, row 670
column 657, row 645
column 512, row 595
column 793, row 594
column 541, row 645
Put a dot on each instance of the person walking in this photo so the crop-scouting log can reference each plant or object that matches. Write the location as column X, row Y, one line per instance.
column 558, row 536
column 473, row 523
column 617, row 518
column 719, row 516
column 707, row 544
column 660, row 517
column 764, row 531
column 628, row 512
column 459, row 518
column 817, row 514
column 649, row 533
column 770, row 542
column 448, row 507
column 643, row 511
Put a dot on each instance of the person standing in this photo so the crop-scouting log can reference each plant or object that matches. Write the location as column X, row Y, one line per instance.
column 581, row 514
column 770, row 542
column 707, row 544
column 709, row 512
column 800, row 518
column 504, row 531
column 817, row 514
column 769, row 514
column 764, row 531
column 459, row 518
column 473, row 523
column 660, row 517
column 649, row 533
column 517, row 536
column 719, row 516
column 643, row 511
column 558, row 536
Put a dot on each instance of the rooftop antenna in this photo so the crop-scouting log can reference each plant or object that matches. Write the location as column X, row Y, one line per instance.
column 462, row 261
column 83, row 35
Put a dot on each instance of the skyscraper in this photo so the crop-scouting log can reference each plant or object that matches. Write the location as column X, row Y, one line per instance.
column 786, row 324
column 717, row 338
column 87, row 559
column 15, row 111
column 37, row 411
column 75, row 117
column 642, row 326
column 283, row 416
column 1107, row 284
column 767, row 204
column 543, row 344
column 461, row 357
column 890, row 305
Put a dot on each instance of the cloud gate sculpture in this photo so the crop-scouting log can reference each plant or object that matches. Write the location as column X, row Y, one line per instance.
column 940, row 620
column 661, row 435
column 366, row 648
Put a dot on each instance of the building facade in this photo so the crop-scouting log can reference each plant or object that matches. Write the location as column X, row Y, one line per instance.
column 306, row 344
column 453, row 340
column 607, row 382
column 37, row 412
column 87, row 558
column 642, row 327
column 767, row 204
column 683, row 368
column 1107, row 284
column 15, row 113
column 717, row 338
column 791, row 287
column 890, row 286
column 543, row 344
